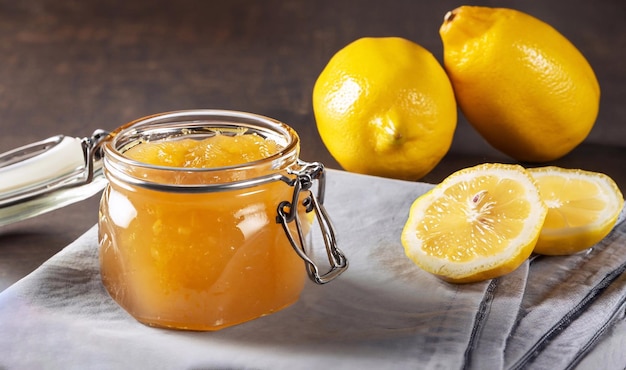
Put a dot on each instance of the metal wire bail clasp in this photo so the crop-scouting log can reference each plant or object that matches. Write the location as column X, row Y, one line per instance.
column 49, row 174
column 288, row 212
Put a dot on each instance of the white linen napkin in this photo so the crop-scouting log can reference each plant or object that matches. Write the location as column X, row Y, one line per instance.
column 569, row 303
column 383, row 313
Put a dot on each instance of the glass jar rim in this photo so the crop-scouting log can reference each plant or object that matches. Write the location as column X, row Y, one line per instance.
column 157, row 124
column 203, row 122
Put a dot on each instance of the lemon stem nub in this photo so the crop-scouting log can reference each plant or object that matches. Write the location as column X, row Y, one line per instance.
column 449, row 16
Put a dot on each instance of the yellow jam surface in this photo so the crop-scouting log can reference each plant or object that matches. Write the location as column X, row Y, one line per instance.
column 198, row 261
column 218, row 151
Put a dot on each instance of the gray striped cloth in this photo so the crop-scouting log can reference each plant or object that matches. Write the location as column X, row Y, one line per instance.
column 383, row 313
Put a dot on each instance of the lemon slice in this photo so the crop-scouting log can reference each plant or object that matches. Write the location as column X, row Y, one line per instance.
column 479, row 223
column 583, row 207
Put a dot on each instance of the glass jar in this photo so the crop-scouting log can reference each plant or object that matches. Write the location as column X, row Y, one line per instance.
column 207, row 248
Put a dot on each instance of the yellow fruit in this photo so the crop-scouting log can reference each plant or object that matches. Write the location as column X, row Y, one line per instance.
column 524, row 87
column 385, row 107
column 479, row 223
column 583, row 207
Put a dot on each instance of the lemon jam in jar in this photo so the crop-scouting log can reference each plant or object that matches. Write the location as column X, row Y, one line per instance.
column 202, row 224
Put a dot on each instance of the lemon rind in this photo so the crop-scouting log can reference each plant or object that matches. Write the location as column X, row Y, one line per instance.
column 519, row 248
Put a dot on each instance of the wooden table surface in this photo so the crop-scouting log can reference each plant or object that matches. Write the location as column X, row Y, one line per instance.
column 70, row 67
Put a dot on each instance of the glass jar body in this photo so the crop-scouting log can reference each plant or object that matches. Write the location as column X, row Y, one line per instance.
column 200, row 259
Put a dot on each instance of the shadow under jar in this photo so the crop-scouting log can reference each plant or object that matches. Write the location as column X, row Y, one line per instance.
column 208, row 248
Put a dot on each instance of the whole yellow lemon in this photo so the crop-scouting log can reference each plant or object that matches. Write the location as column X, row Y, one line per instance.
column 524, row 87
column 385, row 107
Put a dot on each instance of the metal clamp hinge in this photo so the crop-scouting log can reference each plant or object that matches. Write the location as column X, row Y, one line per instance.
column 304, row 180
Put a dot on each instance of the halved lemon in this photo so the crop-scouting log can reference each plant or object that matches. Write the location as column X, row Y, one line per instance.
column 583, row 207
column 479, row 223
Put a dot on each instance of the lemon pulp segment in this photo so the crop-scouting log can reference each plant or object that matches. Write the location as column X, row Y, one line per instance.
column 583, row 207
column 479, row 223
column 470, row 221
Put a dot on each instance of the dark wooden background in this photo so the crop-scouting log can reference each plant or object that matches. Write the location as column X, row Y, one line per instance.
column 72, row 66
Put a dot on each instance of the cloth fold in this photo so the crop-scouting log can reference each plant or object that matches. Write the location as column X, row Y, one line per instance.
column 569, row 302
column 383, row 313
